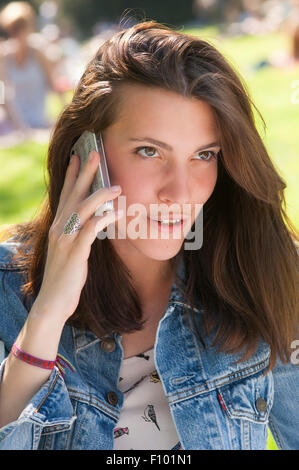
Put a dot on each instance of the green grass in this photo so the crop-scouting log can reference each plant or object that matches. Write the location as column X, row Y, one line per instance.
column 21, row 181
column 22, row 177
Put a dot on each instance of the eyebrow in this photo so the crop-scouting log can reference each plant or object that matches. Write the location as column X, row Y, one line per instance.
column 167, row 146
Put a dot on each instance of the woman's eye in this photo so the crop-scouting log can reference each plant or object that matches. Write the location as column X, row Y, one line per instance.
column 206, row 155
column 148, row 154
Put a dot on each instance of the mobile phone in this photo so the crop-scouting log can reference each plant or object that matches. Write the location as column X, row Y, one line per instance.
column 82, row 147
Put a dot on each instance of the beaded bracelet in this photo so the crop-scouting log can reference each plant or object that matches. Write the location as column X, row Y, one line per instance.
column 36, row 361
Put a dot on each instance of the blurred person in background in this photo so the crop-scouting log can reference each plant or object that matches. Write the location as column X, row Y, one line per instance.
column 281, row 58
column 25, row 70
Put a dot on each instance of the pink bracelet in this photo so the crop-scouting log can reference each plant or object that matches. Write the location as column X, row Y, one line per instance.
column 36, row 361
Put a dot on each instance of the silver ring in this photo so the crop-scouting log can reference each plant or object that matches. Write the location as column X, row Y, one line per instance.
column 72, row 225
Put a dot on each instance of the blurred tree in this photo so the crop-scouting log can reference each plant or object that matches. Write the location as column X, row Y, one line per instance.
column 86, row 15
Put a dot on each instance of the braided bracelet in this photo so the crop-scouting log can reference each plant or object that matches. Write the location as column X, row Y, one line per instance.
column 36, row 361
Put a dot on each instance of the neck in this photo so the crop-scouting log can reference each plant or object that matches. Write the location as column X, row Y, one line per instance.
column 150, row 277
column 153, row 276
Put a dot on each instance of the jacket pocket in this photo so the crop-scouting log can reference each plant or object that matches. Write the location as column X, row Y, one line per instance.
column 247, row 404
column 249, row 398
column 58, row 436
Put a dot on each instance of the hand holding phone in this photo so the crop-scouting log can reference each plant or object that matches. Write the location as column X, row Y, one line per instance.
column 66, row 266
column 82, row 147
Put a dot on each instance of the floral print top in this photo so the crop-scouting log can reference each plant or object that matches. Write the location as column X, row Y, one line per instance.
column 145, row 421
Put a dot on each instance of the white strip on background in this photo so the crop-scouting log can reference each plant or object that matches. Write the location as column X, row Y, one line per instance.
column 2, row 351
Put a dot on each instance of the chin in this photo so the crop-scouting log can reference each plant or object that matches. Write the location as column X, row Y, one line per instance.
column 160, row 250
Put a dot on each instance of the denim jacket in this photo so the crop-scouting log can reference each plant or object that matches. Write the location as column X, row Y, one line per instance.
column 215, row 402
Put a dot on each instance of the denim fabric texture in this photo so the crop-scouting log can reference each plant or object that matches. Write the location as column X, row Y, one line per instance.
column 215, row 401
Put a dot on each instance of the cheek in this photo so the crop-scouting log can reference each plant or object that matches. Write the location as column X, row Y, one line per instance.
column 133, row 185
column 205, row 184
column 122, row 172
column 128, row 175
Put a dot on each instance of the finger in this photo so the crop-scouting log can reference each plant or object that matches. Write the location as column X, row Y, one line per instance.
column 78, row 188
column 85, row 210
column 86, row 177
column 90, row 205
column 92, row 227
column 71, row 176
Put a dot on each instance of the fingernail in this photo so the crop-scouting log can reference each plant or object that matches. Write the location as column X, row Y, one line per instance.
column 115, row 188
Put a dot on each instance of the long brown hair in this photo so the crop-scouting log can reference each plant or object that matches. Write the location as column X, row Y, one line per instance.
column 245, row 275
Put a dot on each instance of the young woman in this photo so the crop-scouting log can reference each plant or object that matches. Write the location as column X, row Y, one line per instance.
column 141, row 342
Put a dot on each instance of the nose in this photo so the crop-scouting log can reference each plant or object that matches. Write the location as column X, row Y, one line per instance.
column 176, row 185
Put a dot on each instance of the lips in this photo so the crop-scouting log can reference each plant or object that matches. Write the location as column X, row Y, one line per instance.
column 167, row 228
column 170, row 219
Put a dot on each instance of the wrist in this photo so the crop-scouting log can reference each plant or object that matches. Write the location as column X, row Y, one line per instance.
column 41, row 313
column 40, row 335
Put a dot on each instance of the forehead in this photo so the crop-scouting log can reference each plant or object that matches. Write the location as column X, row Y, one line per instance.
column 142, row 107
